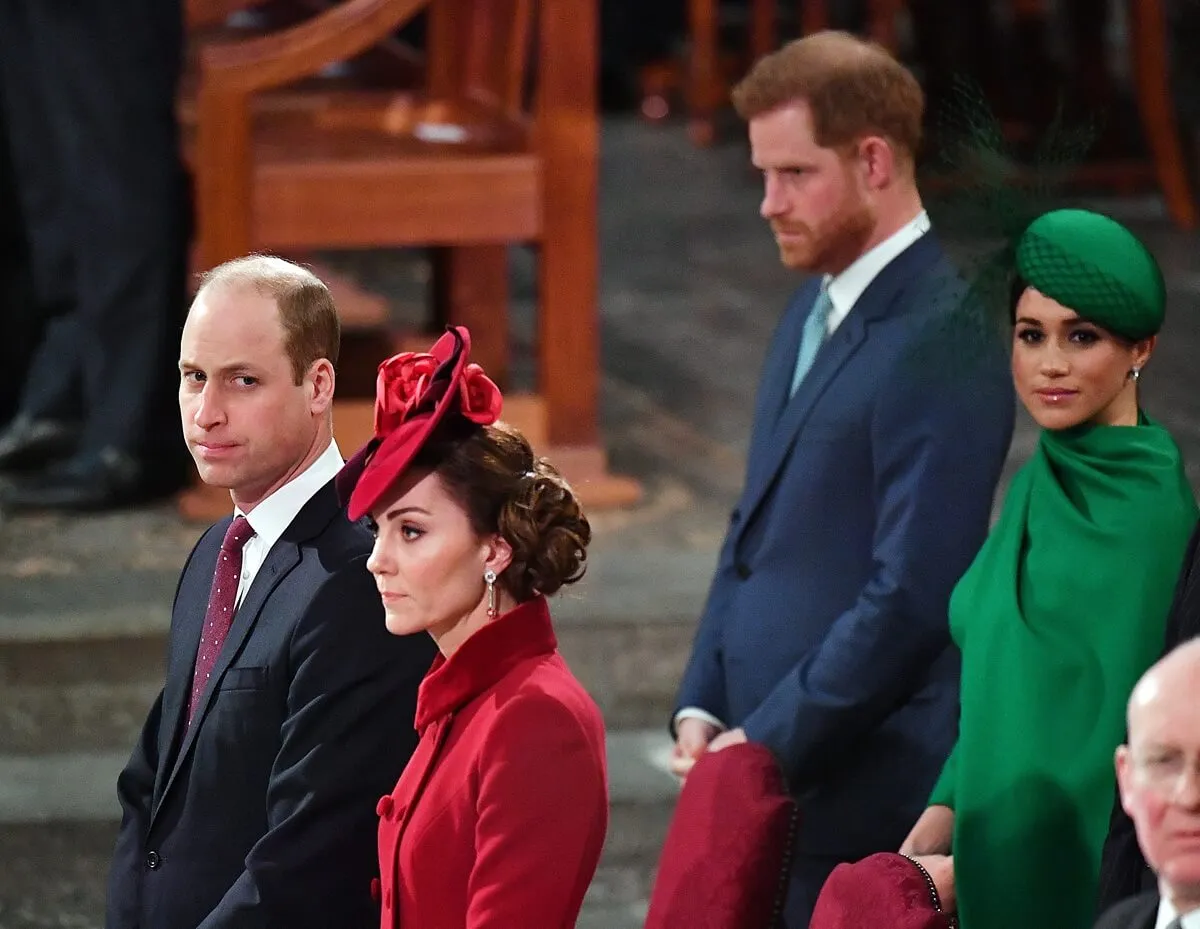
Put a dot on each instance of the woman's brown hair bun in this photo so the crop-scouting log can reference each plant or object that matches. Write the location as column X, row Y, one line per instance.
column 548, row 532
column 493, row 474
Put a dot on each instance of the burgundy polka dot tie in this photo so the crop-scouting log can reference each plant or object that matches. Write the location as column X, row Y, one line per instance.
column 222, row 603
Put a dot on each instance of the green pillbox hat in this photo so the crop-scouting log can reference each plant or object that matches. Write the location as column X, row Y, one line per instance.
column 1095, row 266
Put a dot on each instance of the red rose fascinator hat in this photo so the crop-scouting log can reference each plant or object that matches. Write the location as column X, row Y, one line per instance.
column 414, row 391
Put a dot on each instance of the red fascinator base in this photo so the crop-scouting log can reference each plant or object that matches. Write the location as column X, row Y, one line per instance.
column 414, row 391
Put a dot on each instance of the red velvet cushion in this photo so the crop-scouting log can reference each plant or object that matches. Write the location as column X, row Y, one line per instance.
column 880, row 890
column 724, row 863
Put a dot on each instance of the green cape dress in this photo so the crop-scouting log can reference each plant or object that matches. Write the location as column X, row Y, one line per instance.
column 1061, row 612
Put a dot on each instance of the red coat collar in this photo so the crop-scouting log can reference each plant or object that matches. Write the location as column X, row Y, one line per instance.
column 483, row 659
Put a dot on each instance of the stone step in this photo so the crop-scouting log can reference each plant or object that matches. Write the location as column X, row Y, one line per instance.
column 82, row 656
column 58, row 818
column 80, row 787
column 618, row 916
column 54, row 875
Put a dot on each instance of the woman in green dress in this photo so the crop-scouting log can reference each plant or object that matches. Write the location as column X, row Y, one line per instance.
column 1066, row 603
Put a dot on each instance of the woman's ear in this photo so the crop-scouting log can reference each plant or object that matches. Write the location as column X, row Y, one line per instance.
column 498, row 554
column 1143, row 350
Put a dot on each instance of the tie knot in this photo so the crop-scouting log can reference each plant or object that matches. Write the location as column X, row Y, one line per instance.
column 237, row 535
column 823, row 305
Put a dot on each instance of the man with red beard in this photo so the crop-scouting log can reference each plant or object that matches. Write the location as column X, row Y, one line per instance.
column 1158, row 772
column 882, row 422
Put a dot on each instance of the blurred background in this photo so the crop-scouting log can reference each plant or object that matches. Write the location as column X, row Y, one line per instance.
column 567, row 179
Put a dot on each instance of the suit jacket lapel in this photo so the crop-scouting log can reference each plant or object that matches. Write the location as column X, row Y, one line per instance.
column 777, row 380
column 830, row 359
column 1149, row 908
column 771, row 447
column 283, row 557
column 191, row 605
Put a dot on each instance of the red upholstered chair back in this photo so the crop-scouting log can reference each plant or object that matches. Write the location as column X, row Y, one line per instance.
column 727, row 854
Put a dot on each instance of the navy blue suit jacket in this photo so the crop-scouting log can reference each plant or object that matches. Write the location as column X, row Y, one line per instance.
column 262, row 812
column 867, row 495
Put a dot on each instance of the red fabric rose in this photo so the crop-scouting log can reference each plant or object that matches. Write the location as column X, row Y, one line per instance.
column 402, row 382
column 479, row 397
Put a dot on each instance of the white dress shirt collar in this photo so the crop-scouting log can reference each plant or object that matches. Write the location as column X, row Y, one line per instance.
column 1167, row 912
column 847, row 287
column 275, row 513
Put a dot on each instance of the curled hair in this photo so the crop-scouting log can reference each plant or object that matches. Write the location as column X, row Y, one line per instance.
column 853, row 88
column 493, row 474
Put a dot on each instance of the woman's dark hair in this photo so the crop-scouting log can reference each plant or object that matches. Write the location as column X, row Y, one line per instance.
column 1018, row 287
column 493, row 474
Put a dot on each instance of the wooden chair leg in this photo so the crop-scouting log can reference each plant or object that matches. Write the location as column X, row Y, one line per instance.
column 703, row 77
column 470, row 287
column 1148, row 46
column 881, row 25
column 569, row 332
column 763, row 34
column 1029, row 8
column 568, row 318
column 814, row 16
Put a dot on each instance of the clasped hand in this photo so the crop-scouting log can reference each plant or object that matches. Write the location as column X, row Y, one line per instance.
column 693, row 737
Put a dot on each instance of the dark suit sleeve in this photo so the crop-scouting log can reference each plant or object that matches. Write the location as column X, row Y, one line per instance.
column 1138, row 912
column 1123, row 869
column 135, row 791
column 1183, row 622
column 703, row 682
column 346, row 737
column 939, row 437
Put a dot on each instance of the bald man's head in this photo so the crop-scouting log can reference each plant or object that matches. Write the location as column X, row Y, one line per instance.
column 1159, row 770
column 1171, row 680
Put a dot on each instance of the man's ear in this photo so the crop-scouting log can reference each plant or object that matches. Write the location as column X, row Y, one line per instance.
column 1124, row 776
column 878, row 160
column 321, row 378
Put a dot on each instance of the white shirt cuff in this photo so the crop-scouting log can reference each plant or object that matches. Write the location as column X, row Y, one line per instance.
column 694, row 712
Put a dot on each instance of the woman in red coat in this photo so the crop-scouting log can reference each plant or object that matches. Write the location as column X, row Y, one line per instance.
column 500, row 816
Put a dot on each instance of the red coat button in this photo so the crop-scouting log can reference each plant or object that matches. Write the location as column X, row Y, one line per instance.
column 387, row 898
column 375, row 889
column 384, row 807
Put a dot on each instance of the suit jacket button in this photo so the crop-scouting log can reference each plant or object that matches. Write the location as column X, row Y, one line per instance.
column 153, row 861
column 743, row 570
column 384, row 807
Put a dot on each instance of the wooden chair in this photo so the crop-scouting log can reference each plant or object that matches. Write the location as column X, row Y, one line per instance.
column 499, row 146
column 706, row 90
column 390, row 64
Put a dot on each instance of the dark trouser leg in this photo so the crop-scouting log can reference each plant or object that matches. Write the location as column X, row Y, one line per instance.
column 111, row 69
column 18, row 306
column 809, row 873
column 40, row 223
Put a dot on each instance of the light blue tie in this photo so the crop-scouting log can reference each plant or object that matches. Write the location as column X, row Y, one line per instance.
column 816, row 328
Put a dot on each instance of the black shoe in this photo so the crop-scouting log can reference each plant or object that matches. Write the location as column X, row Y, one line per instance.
column 28, row 444
column 96, row 481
